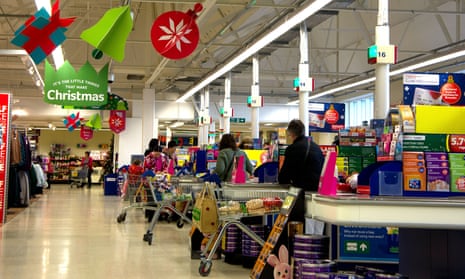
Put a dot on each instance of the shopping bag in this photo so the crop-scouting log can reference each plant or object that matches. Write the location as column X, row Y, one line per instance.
column 205, row 212
column 238, row 175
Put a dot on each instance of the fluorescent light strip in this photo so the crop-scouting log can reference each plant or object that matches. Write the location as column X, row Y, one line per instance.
column 268, row 38
column 423, row 64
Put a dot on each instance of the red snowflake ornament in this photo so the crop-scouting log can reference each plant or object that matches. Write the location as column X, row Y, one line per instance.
column 117, row 121
column 175, row 34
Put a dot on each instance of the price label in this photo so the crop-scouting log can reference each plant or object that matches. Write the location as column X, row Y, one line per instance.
column 457, row 143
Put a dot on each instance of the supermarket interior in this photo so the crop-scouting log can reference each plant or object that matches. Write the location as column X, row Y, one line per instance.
column 149, row 137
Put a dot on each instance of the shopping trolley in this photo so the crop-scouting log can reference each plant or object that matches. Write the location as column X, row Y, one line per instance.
column 139, row 191
column 241, row 194
column 78, row 177
column 181, row 192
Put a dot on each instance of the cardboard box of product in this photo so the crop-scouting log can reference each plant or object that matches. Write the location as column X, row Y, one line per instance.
column 438, row 179
column 436, row 156
column 457, row 180
column 413, row 156
column 457, row 160
column 414, row 178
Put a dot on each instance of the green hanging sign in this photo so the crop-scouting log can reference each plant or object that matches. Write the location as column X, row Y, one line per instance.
column 66, row 87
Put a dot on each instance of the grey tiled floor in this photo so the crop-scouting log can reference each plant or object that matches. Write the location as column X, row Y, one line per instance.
column 73, row 233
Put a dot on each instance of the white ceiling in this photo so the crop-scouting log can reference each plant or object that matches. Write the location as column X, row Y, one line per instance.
column 338, row 39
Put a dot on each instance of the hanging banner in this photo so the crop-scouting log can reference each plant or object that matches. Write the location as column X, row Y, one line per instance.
column 86, row 133
column 117, row 120
column 5, row 111
column 326, row 117
column 83, row 88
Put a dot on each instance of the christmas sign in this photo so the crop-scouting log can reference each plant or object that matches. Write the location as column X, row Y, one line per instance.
column 438, row 89
column 117, row 120
column 86, row 133
column 175, row 34
column 67, row 87
column 42, row 33
column 326, row 117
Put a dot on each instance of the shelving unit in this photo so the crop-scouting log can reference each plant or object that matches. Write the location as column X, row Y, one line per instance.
column 59, row 155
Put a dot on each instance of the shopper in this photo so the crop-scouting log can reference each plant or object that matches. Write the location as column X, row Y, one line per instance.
column 228, row 151
column 50, row 171
column 303, row 159
column 87, row 163
column 170, row 152
column 154, row 159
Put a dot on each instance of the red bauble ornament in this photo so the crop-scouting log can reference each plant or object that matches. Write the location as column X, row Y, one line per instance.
column 175, row 34
column 450, row 91
column 331, row 115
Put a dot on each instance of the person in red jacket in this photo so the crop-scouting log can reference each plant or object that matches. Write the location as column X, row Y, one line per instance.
column 86, row 163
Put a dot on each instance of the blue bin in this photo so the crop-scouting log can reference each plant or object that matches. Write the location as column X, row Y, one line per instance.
column 110, row 185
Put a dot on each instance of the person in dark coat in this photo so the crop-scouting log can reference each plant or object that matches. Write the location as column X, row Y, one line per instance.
column 298, row 169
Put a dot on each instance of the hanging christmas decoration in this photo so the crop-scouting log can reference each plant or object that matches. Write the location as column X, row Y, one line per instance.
column 175, row 34
column 86, row 133
column 72, row 122
column 110, row 33
column 95, row 122
column 117, row 121
column 42, row 33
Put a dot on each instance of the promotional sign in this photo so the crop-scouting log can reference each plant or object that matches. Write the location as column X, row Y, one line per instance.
column 440, row 89
column 67, row 87
column 456, row 143
column 369, row 244
column 4, row 150
column 326, row 117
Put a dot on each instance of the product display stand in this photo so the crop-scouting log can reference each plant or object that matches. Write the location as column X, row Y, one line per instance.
column 431, row 230
column 275, row 233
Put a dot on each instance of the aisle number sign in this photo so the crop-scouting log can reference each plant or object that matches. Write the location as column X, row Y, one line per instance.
column 5, row 111
column 382, row 54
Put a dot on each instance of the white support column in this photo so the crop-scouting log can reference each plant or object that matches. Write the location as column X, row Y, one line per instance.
column 149, row 122
column 382, row 87
column 206, row 127
column 227, row 104
column 255, row 93
column 304, row 74
column 201, row 140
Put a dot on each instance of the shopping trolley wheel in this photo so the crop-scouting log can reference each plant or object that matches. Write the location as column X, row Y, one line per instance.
column 121, row 218
column 148, row 237
column 205, row 268
column 180, row 223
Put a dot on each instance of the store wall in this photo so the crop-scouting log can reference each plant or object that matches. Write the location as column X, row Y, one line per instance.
column 71, row 140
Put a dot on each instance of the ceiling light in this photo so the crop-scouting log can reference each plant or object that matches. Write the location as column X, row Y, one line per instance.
column 409, row 68
column 264, row 41
column 177, row 124
column 268, row 124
